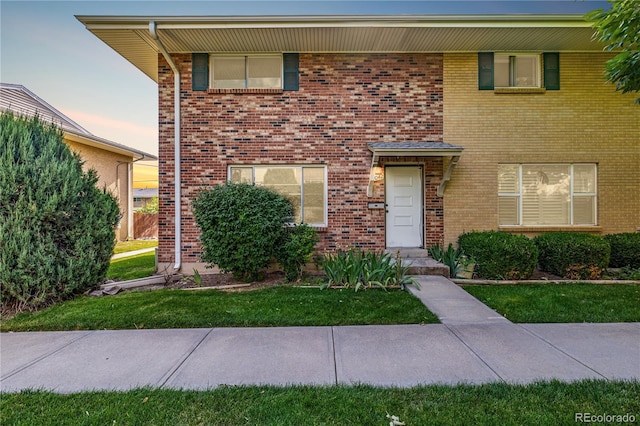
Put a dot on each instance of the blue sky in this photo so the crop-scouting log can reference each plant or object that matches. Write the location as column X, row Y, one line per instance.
column 43, row 47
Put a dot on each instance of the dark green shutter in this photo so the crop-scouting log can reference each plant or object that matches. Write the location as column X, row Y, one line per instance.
column 290, row 65
column 551, row 70
column 200, row 71
column 485, row 70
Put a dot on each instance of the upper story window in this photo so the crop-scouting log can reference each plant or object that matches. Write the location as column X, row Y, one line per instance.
column 526, row 70
column 516, row 70
column 246, row 72
column 275, row 71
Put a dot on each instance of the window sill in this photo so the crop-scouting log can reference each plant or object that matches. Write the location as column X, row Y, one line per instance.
column 551, row 228
column 245, row 91
column 519, row 90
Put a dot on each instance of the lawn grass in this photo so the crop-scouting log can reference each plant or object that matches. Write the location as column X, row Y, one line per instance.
column 551, row 303
column 132, row 267
column 542, row 403
column 131, row 245
column 270, row 307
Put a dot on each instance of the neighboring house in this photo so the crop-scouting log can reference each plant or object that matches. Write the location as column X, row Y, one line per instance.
column 143, row 196
column 111, row 160
column 389, row 131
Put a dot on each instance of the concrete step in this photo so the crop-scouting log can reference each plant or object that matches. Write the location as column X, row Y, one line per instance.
column 419, row 261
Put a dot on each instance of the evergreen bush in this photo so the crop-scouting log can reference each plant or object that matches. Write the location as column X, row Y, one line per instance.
column 499, row 255
column 573, row 255
column 241, row 227
column 56, row 227
column 625, row 250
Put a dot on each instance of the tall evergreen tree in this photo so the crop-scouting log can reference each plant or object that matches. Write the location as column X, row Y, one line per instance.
column 57, row 229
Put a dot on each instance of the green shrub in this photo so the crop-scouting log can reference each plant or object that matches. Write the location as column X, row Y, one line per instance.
column 455, row 259
column 628, row 273
column 343, row 267
column 296, row 249
column 625, row 250
column 56, row 228
column 499, row 255
column 356, row 268
column 573, row 255
column 241, row 227
column 152, row 206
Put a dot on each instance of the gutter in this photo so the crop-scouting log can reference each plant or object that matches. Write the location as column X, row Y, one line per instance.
column 176, row 144
column 511, row 20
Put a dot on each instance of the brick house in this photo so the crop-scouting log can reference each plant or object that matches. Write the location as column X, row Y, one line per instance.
column 389, row 131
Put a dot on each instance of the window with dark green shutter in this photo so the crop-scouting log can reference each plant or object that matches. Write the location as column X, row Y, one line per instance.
column 290, row 64
column 551, row 70
column 259, row 71
column 200, row 71
column 518, row 71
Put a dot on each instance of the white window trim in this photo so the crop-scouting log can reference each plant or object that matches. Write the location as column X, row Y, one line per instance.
column 244, row 55
column 539, row 70
column 302, row 167
column 571, row 193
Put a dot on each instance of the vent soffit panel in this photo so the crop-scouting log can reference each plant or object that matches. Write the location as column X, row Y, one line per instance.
column 134, row 46
column 376, row 39
column 137, row 46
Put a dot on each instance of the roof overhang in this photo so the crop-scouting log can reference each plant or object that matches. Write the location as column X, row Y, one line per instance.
column 414, row 149
column 107, row 145
column 130, row 37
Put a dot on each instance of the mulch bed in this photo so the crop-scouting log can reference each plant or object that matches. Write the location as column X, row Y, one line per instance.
column 228, row 283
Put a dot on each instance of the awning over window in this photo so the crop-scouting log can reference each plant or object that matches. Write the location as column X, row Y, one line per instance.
column 414, row 149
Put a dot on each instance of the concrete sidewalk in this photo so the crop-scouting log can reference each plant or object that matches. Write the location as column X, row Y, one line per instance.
column 132, row 253
column 468, row 347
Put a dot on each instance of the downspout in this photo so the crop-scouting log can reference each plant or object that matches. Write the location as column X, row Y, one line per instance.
column 176, row 144
column 130, row 228
column 118, row 164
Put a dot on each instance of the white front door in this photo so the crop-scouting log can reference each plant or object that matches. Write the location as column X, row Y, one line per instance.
column 403, row 196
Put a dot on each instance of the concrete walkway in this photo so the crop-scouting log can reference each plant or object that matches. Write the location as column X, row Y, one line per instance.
column 452, row 304
column 132, row 253
column 472, row 345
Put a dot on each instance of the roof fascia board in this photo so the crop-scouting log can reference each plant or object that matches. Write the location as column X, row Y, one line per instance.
column 337, row 21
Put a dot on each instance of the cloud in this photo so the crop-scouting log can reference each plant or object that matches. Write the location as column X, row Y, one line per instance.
column 121, row 131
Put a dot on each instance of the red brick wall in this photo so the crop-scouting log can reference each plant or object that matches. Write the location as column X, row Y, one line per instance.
column 344, row 101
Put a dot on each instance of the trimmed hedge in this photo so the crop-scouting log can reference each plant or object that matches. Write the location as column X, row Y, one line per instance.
column 573, row 255
column 500, row 255
column 625, row 250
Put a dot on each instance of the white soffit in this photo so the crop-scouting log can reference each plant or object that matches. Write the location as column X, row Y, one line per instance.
column 130, row 37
